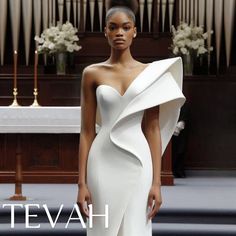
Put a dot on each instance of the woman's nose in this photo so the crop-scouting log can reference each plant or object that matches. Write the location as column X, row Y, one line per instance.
column 119, row 31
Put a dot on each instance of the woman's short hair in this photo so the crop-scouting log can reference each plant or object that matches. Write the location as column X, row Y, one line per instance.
column 129, row 7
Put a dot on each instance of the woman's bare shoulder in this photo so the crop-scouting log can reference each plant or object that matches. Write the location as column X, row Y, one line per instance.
column 94, row 69
column 93, row 73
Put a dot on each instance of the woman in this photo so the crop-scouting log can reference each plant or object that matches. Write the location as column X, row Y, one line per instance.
column 139, row 107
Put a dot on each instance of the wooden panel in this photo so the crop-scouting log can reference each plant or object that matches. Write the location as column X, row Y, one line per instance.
column 2, row 151
column 53, row 90
column 53, row 158
column 166, row 173
column 41, row 152
column 99, row 49
column 212, row 127
column 49, row 158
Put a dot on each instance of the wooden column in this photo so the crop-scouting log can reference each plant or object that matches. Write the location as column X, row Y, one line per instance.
column 81, row 25
column 177, row 16
column 155, row 22
column 18, row 181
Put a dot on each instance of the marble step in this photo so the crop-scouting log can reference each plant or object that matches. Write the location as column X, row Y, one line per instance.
column 165, row 215
column 159, row 229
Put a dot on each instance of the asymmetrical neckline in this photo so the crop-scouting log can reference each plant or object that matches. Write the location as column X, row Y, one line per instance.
column 132, row 82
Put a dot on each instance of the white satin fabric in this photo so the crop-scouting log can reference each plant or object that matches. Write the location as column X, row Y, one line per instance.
column 119, row 168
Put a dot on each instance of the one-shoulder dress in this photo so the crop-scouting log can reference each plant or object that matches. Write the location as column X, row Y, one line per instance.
column 119, row 166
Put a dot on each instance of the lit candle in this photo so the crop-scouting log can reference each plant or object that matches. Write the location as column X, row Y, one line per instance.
column 35, row 68
column 15, row 68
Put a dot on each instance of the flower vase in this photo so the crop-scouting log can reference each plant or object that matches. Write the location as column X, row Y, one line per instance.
column 61, row 61
column 50, row 65
column 188, row 64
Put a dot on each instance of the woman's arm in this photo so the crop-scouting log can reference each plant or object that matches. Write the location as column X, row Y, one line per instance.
column 87, row 135
column 88, row 121
column 151, row 130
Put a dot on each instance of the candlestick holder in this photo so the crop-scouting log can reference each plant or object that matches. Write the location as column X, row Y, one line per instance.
column 35, row 103
column 15, row 103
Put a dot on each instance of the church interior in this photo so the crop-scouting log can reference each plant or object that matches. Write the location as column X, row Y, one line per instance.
column 40, row 109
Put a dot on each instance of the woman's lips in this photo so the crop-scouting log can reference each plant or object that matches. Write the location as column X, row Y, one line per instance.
column 119, row 40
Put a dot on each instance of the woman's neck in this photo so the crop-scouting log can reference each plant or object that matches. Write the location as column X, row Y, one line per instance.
column 122, row 57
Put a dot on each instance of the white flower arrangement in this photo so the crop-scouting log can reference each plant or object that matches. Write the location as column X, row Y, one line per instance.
column 60, row 38
column 187, row 39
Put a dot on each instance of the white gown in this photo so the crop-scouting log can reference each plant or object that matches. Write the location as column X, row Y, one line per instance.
column 119, row 167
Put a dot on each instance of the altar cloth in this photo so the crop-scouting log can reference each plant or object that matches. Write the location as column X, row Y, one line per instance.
column 45, row 119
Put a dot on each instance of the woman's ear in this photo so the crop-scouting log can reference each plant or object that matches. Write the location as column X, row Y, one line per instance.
column 105, row 31
column 135, row 32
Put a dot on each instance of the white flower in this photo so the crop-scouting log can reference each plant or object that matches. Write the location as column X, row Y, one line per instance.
column 51, row 46
column 205, row 35
column 38, row 39
column 60, row 38
column 188, row 43
column 180, row 43
column 176, row 50
column 74, row 38
column 201, row 50
column 77, row 47
column 184, row 51
column 187, row 32
column 179, row 36
column 195, row 44
column 70, row 48
column 187, row 39
column 173, row 30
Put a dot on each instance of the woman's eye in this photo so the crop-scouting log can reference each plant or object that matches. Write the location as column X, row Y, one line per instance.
column 111, row 27
column 126, row 28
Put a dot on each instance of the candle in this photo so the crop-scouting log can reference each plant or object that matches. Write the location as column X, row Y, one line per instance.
column 35, row 68
column 15, row 68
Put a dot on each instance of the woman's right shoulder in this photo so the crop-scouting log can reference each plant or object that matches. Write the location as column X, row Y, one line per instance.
column 92, row 70
column 93, row 73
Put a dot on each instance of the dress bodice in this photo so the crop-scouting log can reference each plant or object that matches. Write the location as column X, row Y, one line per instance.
column 160, row 83
column 111, row 102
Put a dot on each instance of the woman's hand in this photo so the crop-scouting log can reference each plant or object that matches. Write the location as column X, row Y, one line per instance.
column 84, row 199
column 154, row 197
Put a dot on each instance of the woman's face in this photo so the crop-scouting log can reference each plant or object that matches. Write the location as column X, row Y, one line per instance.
column 120, row 30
